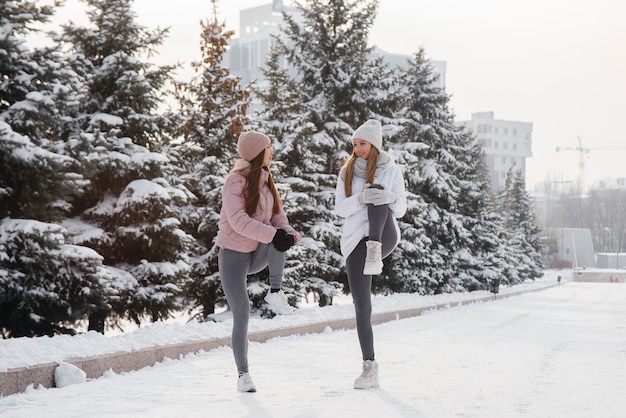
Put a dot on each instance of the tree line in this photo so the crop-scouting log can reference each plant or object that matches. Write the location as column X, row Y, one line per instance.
column 109, row 197
column 600, row 210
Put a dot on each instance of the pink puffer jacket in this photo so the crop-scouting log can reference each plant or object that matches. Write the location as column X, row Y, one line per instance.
column 240, row 232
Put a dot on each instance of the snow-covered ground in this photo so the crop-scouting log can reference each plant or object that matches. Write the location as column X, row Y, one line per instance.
column 558, row 352
column 23, row 352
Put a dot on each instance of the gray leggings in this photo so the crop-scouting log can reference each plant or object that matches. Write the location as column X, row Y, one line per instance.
column 382, row 229
column 234, row 267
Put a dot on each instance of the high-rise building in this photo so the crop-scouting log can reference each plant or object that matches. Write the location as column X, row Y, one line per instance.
column 248, row 53
column 506, row 144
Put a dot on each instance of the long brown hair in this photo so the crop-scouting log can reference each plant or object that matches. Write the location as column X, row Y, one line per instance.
column 372, row 162
column 252, row 192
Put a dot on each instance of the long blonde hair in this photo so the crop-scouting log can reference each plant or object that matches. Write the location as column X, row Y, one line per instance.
column 372, row 162
column 252, row 192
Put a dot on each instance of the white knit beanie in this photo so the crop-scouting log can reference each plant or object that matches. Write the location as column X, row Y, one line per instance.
column 370, row 131
column 251, row 143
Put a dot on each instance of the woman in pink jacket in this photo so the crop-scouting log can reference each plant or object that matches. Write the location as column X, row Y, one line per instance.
column 254, row 233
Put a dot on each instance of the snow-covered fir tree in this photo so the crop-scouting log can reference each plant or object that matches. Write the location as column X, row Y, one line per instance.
column 39, row 92
column 17, row 69
column 212, row 115
column 487, row 259
column 129, row 211
column 279, row 117
column 213, row 104
column 437, row 254
column 35, row 185
column 338, row 85
column 47, row 285
column 125, row 90
column 280, row 105
column 35, row 182
column 525, row 243
column 50, row 110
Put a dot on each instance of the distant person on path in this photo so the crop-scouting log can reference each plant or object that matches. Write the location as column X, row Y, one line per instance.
column 370, row 196
column 254, row 233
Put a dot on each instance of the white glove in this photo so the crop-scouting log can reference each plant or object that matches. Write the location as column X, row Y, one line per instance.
column 362, row 195
column 377, row 197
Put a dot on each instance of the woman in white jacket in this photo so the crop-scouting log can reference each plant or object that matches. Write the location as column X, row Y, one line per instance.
column 370, row 196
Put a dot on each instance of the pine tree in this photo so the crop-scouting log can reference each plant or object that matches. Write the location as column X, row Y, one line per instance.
column 47, row 285
column 431, row 149
column 38, row 89
column 129, row 211
column 519, row 221
column 17, row 69
column 125, row 91
column 31, row 89
column 279, row 117
column 48, row 113
column 213, row 105
column 213, row 109
column 38, row 96
column 34, row 183
column 487, row 256
column 338, row 85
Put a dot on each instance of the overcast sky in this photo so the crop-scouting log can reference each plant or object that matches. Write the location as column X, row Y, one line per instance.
column 559, row 64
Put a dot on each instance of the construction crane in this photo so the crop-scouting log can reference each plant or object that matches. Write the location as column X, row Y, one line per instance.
column 582, row 151
column 581, row 161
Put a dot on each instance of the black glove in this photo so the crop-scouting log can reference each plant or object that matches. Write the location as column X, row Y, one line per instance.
column 282, row 240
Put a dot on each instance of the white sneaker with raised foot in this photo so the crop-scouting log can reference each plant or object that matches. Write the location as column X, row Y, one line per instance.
column 278, row 302
column 374, row 258
column 369, row 377
column 245, row 383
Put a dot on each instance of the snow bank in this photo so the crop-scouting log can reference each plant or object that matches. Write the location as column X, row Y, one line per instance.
column 23, row 352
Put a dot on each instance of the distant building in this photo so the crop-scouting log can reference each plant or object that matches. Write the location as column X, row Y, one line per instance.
column 506, row 143
column 611, row 260
column 574, row 245
column 248, row 53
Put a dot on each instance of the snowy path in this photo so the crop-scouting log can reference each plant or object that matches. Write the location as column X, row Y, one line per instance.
column 560, row 352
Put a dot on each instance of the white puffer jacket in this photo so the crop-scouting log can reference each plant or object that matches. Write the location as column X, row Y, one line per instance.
column 356, row 225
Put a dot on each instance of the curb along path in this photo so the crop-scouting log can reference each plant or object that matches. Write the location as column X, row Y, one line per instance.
column 17, row 380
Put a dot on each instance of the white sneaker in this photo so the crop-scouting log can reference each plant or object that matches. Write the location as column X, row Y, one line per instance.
column 278, row 302
column 374, row 258
column 245, row 383
column 369, row 377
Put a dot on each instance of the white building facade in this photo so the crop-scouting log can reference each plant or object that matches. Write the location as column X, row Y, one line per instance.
column 575, row 245
column 248, row 53
column 506, row 144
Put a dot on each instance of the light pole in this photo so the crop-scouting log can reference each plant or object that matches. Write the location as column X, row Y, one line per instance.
column 619, row 226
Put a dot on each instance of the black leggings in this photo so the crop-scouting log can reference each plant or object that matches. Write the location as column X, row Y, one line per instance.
column 382, row 229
